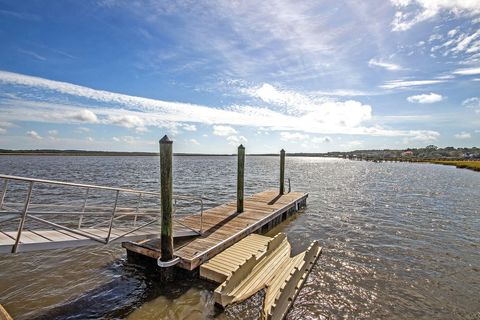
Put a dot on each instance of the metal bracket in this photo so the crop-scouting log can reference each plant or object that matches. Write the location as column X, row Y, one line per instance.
column 166, row 264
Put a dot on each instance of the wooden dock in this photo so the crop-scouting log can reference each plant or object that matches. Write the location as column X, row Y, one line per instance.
column 223, row 226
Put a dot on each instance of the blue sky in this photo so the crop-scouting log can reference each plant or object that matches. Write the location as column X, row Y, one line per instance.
column 307, row 76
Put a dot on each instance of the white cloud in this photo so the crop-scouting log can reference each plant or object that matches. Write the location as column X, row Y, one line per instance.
column 283, row 110
column 34, row 135
column 398, row 84
column 385, row 65
column 325, row 139
column 189, row 127
column 425, row 136
column 411, row 12
column 326, row 112
column 293, row 136
column 463, row 135
column 467, row 71
column 353, row 144
column 195, row 142
column 141, row 129
column 82, row 116
column 235, row 140
column 452, row 32
column 472, row 103
column 4, row 125
column 425, row 98
column 124, row 139
column 53, row 132
column 220, row 130
column 460, row 44
column 82, row 129
column 127, row 121
column 90, row 139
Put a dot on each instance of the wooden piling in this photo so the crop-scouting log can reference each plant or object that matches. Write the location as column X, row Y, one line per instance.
column 166, row 194
column 240, row 176
column 282, row 172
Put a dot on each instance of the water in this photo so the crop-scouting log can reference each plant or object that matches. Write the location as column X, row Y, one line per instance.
column 399, row 241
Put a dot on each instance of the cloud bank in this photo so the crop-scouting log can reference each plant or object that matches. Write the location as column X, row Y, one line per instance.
column 273, row 108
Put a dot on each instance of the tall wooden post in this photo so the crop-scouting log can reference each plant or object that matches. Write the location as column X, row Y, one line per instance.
column 282, row 172
column 240, row 175
column 166, row 194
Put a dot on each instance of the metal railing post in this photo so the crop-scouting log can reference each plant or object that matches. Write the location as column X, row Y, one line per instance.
column 83, row 209
column 201, row 216
column 113, row 216
column 24, row 216
column 289, row 186
column 136, row 210
column 4, row 192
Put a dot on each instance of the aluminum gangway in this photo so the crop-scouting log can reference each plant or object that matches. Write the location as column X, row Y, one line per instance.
column 38, row 214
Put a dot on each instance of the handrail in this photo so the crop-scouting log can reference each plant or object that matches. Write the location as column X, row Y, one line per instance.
column 116, row 212
column 81, row 185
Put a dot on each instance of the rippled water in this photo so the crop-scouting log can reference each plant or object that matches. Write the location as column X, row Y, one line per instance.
column 399, row 241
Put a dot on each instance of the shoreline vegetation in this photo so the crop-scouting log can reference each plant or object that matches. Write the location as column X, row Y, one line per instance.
column 468, row 158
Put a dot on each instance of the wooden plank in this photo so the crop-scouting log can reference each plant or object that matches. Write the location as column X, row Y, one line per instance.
column 29, row 236
column 4, row 314
column 222, row 265
column 6, row 243
column 54, row 235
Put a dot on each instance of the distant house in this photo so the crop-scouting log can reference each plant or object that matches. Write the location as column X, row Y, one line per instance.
column 407, row 153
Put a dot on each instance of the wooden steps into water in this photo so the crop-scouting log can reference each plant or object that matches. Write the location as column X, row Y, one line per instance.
column 223, row 264
column 223, row 226
column 32, row 240
column 269, row 267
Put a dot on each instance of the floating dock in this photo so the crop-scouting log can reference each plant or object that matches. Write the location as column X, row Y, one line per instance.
column 222, row 243
column 223, row 226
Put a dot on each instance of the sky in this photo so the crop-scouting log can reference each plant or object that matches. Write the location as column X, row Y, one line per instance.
column 306, row 76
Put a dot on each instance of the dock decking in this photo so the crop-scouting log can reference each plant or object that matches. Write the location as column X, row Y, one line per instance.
column 223, row 226
column 33, row 240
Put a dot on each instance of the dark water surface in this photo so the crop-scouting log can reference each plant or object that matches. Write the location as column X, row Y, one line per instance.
column 399, row 241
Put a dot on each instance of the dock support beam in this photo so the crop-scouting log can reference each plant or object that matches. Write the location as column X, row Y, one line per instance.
column 166, row 194
column 240, row 176
column 282, row 172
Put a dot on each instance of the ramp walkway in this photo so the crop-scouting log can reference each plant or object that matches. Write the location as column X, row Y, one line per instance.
column 37, row 214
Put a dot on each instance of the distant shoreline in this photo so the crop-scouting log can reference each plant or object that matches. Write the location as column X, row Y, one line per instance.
column 429, row 153
column 471, row 164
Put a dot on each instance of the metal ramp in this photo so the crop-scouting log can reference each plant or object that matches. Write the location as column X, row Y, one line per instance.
column 38, row 214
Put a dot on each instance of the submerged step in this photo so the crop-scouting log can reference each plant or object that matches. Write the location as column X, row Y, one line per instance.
column 223, row 264
column 269, row 267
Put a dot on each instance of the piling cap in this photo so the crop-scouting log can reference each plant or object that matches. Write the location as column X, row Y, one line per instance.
column 282, row 151
column 241, row 146
column 165, row 139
